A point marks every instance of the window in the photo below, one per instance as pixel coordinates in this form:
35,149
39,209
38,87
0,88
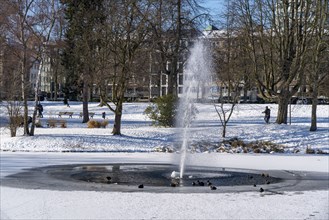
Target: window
180,67
180,79
164,91
163,79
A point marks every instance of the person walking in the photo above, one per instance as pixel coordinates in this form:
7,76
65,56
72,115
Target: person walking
267,115
40,110
66,102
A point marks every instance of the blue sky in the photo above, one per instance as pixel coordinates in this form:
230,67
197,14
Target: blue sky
215,6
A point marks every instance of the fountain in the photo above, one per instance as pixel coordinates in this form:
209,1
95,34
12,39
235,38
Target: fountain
197,75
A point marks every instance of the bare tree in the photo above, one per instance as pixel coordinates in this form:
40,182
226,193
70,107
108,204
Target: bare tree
230,82
128,33
18,30
319,55
230,67
279,34
225,109
15,118
174,24
28,26
56,50
46,13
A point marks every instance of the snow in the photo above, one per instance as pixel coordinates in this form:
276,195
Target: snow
52,146
40,204
138,134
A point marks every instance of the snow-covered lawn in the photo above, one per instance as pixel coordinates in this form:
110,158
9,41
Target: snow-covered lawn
40,204
137,145
139,136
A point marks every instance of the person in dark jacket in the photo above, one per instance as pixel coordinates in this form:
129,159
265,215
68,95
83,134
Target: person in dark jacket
40,110
267,115
66,102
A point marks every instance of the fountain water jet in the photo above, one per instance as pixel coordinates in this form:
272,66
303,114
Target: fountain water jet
197,76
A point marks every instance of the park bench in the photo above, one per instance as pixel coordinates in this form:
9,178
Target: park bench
91,114
65,113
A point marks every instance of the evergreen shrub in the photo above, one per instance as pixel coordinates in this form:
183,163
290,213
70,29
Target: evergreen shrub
163,111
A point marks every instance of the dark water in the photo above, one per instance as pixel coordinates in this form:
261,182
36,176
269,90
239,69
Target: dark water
156,178
160,175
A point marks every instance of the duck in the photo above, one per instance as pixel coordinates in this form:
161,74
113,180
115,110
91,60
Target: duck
200,183
173,184
261,190
140,186
193,183
209,183
213,187
108,178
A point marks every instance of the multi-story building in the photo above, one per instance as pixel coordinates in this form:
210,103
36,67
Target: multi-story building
159,80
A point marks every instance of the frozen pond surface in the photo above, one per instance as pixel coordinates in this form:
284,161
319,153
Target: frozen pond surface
302,195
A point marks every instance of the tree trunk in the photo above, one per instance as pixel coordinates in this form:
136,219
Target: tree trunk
283,108
314,106
55,85
117,119
172,81
85,103
224,131
36,98
24,96
26,115
34,116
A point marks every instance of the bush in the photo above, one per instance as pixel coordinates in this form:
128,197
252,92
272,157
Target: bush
14,123
238,145
63,124
51,123
15,117
97,124
163,111
309,150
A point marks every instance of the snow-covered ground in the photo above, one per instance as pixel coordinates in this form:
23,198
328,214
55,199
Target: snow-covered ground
137,144
139,136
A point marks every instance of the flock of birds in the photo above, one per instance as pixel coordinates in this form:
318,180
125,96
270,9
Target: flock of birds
175,176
